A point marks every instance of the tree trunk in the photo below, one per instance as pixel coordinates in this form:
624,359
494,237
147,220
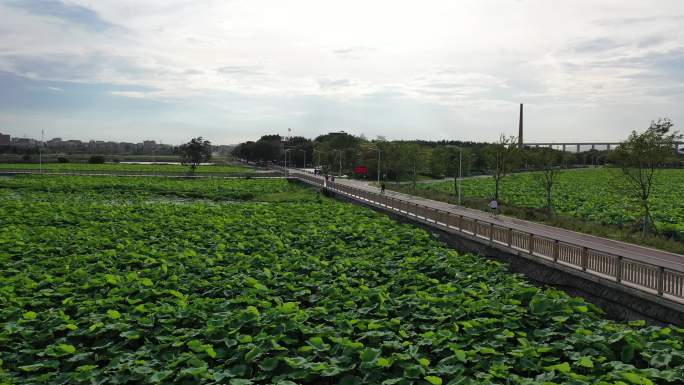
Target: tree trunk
496,188
549,193
648,224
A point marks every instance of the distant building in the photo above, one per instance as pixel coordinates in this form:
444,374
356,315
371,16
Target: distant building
23,142
149,147
127,148
223,149
5,140
59,145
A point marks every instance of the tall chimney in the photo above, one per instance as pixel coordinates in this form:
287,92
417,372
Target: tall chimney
520,128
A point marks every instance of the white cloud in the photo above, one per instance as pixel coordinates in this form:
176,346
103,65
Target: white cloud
129,94
472,60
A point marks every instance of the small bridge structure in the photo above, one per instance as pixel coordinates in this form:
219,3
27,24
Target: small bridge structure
649,283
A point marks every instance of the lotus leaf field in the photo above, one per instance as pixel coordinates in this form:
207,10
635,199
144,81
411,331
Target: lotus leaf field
124,167
119,281
591,194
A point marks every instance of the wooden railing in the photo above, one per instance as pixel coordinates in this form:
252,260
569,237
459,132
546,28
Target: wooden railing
650,277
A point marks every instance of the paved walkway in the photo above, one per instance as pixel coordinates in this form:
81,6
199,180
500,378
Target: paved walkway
627,250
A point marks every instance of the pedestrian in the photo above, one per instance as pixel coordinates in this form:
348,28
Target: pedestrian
382,188
494,207
332,178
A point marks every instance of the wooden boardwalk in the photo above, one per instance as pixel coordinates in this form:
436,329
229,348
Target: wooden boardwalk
649,270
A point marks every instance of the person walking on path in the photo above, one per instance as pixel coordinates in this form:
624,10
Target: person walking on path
494,207
382,188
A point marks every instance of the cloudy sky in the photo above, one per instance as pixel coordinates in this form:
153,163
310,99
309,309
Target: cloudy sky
231,70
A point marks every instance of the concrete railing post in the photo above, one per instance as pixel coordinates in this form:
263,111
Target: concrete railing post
530,245
660,279
555,250
618,270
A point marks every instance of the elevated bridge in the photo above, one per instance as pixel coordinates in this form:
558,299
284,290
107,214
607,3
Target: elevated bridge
647,282
583,146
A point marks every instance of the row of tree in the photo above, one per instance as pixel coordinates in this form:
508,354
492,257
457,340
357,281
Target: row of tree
341,153
637,160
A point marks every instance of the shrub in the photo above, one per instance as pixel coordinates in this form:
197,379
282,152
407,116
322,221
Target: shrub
96,159
62,159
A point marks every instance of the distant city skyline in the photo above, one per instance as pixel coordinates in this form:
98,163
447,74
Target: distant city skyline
48,138
231,71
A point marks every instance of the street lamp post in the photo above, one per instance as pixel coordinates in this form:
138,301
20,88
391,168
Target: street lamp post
286,151
304,151
379,151
340,151
460,174
319,156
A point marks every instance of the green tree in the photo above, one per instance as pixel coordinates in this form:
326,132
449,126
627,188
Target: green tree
196,151
439,161
368,156
500,158
639,158
393,163
337,148
459,163
96,159
547,162
408,160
